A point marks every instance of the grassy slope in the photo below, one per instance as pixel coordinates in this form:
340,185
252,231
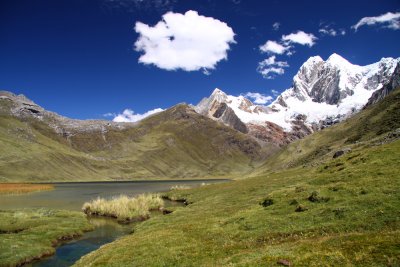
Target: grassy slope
43,228
359,224
177,143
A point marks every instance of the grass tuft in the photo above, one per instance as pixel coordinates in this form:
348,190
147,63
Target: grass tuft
124,207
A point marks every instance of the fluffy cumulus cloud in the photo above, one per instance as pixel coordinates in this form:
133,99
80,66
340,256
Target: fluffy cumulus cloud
259,98
129,116
389,20
285,45
276,26
187,41
270,67
300,37
273,47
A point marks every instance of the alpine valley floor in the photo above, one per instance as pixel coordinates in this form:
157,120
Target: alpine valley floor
313,211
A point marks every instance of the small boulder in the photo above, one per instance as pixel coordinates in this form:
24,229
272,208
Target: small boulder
284,262
341,152
267,202
314,197
300,208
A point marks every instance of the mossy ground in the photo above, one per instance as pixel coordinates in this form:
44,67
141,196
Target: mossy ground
30,234
356,223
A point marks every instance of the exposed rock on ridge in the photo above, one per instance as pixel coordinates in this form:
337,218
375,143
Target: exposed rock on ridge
323,93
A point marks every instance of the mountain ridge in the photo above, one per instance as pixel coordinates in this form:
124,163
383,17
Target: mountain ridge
39,146
216,138
323,93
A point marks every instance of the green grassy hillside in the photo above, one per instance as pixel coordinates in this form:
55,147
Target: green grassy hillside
177,143
353,220
312,210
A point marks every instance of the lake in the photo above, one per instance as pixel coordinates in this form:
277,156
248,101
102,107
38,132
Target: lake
71,196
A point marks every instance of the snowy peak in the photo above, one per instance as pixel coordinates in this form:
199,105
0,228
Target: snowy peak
334,88
323,92
218,95
339,61
335,79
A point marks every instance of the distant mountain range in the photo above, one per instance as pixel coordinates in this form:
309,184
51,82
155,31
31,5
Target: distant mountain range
322,93
223,136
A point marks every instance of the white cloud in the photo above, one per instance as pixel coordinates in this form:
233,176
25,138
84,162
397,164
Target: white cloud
276,26
259,98
329,30
274,92
187,41
109,114
268,73
300,37
269,67
273,47
129,116
389,20
271,61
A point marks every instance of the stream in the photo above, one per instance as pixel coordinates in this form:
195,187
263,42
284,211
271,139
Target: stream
71,196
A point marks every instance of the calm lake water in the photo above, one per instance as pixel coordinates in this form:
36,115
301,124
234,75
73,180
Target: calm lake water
71,196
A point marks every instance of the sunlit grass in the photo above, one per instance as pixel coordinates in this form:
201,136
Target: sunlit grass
319,216
124,207
7,189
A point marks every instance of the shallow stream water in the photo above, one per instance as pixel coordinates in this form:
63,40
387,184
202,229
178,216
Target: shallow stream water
71,196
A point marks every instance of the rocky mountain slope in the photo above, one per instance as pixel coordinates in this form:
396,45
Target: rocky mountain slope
323,93
38,145
375,125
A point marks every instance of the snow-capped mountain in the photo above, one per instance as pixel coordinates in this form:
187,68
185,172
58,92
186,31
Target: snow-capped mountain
323,93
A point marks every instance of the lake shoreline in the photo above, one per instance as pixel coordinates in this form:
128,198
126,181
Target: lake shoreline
138,181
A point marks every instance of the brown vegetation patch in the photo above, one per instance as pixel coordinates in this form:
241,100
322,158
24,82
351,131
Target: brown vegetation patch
6,189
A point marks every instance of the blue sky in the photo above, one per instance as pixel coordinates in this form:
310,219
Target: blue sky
78,58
